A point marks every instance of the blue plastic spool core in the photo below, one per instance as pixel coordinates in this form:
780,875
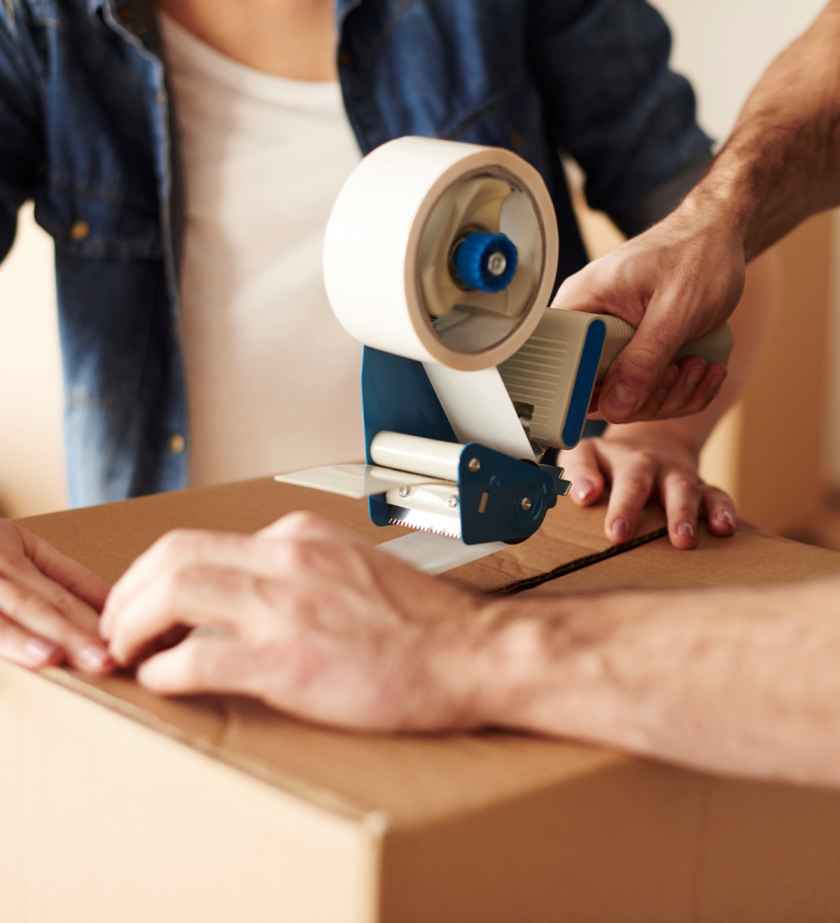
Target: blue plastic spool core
484,261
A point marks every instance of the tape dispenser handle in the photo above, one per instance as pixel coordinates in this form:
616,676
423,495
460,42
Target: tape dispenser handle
714,347
552,378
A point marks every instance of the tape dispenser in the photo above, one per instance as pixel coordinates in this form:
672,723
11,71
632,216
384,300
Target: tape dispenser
440,258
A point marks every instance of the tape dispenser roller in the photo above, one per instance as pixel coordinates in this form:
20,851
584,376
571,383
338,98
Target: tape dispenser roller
440,258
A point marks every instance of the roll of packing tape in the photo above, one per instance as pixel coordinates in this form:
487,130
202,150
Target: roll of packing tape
404,247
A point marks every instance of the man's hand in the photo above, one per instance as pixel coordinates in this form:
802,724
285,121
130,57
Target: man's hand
676,282
643,462
683,278
49,605
307,618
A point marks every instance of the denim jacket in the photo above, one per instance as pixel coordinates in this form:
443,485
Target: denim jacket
87,132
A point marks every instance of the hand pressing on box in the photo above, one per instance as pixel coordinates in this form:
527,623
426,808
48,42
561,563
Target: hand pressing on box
635,464
49,605
305,617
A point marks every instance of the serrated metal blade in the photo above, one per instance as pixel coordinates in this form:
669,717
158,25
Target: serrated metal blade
435,523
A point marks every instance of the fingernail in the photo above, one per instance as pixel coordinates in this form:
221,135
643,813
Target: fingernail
583,490
620,530
685,530
93,658
38,652
623,398
725,520
695,374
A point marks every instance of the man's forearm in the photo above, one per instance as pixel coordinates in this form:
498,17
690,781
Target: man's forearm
782,161
738,681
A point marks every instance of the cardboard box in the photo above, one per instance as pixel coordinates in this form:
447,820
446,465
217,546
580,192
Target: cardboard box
118,806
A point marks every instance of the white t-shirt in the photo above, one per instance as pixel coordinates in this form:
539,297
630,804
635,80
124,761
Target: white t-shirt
272,379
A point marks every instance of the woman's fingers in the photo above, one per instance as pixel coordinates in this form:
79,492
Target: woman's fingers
633,479
37,617
73,576
581,467
26,649
80,613
681,494
720,512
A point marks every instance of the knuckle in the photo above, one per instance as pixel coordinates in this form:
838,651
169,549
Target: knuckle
174,544
645,460
168,591
302,522
685,483
637,483
295,556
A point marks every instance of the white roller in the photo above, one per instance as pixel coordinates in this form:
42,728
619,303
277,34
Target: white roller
414,453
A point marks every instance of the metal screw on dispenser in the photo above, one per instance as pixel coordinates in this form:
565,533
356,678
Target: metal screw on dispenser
527,504
474,465
405,490
497,264
453,502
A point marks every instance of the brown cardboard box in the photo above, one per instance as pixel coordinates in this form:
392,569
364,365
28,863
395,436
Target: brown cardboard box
117,806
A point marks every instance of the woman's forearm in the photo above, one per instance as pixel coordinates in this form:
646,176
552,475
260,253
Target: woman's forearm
782,161
742,681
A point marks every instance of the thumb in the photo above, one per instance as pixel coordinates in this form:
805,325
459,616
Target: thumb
641,365
596,289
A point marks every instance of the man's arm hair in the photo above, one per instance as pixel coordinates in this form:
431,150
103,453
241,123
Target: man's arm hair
742,681
782,162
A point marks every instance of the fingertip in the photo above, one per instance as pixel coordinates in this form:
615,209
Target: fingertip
684,536
39,654
620,402
619,530
94,659
722,523
586,491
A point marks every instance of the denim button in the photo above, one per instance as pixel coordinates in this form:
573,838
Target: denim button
80,230
177,443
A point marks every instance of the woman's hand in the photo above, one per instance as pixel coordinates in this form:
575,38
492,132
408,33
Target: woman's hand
49,605
641,462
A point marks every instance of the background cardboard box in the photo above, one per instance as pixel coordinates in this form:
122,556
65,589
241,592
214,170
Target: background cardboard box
116,805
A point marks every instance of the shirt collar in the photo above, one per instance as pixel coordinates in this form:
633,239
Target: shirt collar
343,8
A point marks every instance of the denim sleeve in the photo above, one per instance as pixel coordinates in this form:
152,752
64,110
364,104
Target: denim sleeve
21,144
614,104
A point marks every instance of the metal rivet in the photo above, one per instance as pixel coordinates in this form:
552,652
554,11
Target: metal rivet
453,502
177,443
527,504
405,490
497,264
474,465
80,230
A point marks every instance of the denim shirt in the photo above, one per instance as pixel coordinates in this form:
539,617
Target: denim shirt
87,132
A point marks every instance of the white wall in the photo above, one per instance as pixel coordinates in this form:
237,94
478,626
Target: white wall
31,453
723,46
